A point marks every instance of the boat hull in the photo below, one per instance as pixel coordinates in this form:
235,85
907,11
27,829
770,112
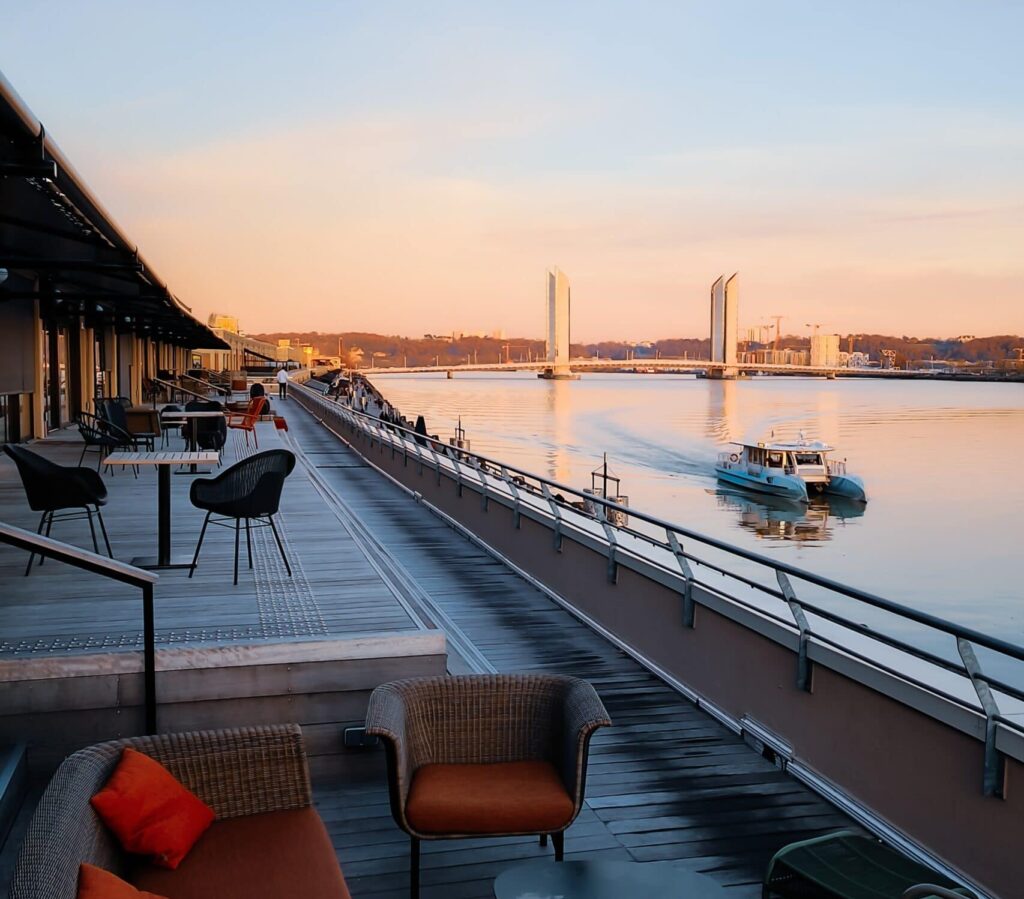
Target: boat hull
847,485
774,485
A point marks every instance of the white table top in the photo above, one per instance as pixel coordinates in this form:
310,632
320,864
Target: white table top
201,457
208,414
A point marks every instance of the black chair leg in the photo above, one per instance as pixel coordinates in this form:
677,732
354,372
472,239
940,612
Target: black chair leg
199,545
543,839
558,840
280,545
81,457
414,868
49,524
238,523
103,531
92,530
248,541
32,556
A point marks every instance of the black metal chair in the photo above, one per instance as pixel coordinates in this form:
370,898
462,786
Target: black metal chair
248,491
60,493
210,433
114,412
100,435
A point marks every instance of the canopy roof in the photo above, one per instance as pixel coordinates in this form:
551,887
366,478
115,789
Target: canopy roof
61,246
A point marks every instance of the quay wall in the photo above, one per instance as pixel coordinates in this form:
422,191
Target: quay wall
57,705
906,762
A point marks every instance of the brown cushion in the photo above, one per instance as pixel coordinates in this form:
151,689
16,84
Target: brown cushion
501,798
255,857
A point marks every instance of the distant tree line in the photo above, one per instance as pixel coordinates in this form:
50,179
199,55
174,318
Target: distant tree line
393,350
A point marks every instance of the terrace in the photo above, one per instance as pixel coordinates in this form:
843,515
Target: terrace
377,577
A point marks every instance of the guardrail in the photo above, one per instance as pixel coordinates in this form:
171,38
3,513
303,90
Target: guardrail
108,568
690,557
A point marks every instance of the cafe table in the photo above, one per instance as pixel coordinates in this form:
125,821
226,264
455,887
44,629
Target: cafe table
163,462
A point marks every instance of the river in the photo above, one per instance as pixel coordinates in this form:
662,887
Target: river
941,460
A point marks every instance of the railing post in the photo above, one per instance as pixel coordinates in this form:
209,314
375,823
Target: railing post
514,490
992,775
803,664
554,511
484,488
613,542
684,566
149,657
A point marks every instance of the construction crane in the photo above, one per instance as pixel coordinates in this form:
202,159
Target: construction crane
778,329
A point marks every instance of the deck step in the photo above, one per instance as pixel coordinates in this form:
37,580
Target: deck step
13,784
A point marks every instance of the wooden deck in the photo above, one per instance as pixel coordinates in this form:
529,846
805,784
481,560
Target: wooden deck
666,783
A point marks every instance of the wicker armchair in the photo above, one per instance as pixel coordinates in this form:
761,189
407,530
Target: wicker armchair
244,771
485,755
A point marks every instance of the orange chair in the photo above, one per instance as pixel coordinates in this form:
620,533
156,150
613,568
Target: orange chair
246,421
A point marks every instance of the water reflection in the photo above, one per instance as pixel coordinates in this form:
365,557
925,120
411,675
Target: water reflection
557,454
723,423
775,518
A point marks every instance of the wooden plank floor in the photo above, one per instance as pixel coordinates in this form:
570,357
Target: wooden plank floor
666,783
335,590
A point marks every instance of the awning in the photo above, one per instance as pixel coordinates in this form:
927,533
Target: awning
59,245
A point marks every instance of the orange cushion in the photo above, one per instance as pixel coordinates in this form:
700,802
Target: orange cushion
500,798
149,811
273,855
95,883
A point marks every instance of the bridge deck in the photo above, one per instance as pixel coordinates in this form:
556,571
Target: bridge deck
667,782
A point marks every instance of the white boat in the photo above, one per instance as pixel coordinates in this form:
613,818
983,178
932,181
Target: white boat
791,469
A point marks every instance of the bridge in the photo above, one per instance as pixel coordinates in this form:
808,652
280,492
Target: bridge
557,364
691,366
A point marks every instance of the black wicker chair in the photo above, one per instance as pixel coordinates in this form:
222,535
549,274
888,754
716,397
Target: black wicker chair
104,437
210,433
95,438
248,491
60,493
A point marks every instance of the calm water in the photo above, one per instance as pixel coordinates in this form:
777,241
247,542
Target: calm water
942,463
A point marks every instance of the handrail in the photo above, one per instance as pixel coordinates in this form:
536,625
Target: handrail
520,483
172,386
220,388
109,568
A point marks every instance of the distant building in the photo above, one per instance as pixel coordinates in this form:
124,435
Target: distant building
825,350
225,322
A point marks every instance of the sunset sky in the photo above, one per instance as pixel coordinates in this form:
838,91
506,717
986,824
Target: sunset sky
414,167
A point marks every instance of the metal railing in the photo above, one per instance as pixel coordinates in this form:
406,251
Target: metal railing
661,543
108,568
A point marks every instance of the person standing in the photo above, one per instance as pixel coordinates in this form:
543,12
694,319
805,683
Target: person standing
282,384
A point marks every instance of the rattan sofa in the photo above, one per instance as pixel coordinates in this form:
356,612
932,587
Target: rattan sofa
267,840
460,751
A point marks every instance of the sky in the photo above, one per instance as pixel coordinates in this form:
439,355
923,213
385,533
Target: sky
417,167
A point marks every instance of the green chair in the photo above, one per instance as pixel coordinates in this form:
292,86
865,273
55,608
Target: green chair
849,865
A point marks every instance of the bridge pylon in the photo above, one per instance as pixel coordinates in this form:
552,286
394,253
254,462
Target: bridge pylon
558,303
725,303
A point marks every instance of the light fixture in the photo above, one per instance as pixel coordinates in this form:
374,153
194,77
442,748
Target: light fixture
3,275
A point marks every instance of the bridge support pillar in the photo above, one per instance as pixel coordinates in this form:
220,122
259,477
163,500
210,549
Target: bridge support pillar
449,374
558,329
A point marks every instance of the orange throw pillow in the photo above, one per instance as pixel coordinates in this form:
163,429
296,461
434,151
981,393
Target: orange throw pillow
150,812
95,883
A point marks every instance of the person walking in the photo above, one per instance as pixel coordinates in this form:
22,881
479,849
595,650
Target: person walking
282,384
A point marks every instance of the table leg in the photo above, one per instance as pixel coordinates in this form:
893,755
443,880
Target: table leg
164,513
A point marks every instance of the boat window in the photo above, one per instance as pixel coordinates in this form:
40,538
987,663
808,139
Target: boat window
807,458
775,460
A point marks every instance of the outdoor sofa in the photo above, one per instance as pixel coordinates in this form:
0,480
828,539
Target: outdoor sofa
267,840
